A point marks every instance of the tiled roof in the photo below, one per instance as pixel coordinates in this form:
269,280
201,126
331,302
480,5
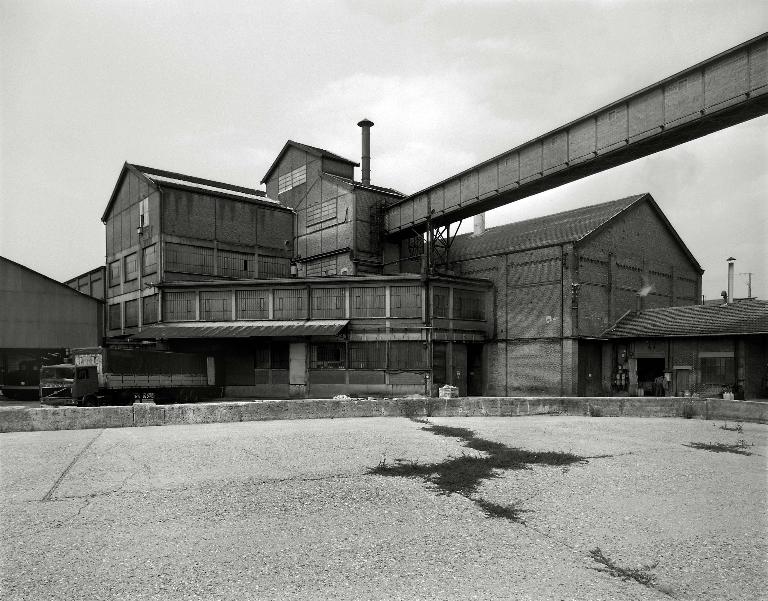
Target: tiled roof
740,317
550,230
320,152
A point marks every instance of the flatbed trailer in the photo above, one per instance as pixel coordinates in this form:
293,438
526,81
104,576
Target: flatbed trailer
108,376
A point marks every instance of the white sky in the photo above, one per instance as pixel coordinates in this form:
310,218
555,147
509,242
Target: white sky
213,89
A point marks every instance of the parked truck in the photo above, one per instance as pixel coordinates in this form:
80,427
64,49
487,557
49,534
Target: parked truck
112,376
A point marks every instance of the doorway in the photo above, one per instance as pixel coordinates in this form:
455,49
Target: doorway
648,369
474,370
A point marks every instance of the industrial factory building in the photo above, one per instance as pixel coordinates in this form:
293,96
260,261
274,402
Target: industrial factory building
301,291
40,320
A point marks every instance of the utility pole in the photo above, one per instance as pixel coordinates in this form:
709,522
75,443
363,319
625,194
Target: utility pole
749,282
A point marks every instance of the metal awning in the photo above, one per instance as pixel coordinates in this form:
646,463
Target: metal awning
245,329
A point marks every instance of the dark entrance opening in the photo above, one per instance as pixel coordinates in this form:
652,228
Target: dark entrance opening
648,370
590,381
474,370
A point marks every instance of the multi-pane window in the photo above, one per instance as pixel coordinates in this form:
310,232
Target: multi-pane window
405,301
179,306
328,302
717,370
149,309
407,355
252,304
290,303
321,211
440,302
292,179
236,264
185,258
131,267
274,267
114,273
327,356
149,259
132,313
367,301
215,305
368,355
468,304
114,317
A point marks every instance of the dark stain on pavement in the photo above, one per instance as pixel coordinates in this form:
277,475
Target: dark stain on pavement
463,475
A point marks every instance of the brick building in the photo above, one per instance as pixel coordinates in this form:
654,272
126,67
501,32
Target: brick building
697,350
299,291
560,280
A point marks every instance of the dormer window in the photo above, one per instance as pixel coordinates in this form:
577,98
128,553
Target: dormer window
292,179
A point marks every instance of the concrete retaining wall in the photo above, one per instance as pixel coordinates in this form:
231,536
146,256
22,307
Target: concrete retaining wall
147,414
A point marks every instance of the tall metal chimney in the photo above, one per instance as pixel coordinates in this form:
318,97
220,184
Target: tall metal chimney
730,279
366,124
479,225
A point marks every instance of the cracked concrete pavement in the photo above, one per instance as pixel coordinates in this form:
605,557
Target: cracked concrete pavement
288,510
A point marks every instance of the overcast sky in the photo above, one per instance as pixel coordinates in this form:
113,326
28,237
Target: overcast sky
214,89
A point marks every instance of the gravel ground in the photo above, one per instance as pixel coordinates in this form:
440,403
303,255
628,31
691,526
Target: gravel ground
288,510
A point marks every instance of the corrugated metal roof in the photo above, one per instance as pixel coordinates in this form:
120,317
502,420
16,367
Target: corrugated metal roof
352,182
741,317
550,230
229,191
244,329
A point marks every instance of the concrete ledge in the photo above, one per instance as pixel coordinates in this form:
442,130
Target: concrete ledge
148,414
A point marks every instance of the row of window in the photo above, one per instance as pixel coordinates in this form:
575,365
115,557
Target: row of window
326,303
129,266
187,258
390,355
126,314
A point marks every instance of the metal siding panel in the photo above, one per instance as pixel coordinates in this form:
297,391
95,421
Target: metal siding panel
452,194
581,141
509,171
726,80
555,152
469,187
758,67
488,179
530,162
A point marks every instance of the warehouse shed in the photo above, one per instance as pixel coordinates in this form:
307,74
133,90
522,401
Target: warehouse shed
40,319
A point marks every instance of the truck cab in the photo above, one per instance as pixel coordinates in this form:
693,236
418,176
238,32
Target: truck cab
68,384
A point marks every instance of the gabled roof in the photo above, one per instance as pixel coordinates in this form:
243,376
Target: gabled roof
354,184
551,230
49,279
157,177
740,317
314,150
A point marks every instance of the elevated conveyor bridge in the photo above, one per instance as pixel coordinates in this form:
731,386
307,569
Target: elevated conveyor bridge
722,91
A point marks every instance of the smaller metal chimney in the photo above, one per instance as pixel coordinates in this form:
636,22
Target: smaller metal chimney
366,124
479,225
730,279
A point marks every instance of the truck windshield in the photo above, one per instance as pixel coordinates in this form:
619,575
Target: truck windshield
57,373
